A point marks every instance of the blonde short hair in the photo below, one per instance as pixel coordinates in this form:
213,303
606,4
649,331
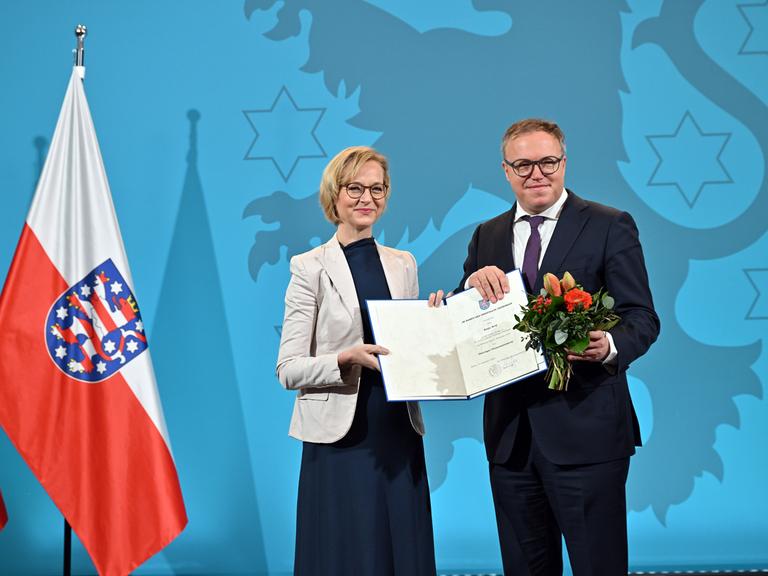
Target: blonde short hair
533,125
341,170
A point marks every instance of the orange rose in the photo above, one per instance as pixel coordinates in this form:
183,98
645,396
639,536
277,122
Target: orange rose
577,297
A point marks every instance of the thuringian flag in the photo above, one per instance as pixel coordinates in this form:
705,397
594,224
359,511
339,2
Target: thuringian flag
78,397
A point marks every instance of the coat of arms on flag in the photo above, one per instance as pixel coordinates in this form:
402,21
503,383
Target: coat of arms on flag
94,327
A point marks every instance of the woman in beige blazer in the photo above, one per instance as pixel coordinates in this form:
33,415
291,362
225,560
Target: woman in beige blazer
363,506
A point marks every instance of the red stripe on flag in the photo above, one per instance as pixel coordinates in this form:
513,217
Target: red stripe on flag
92,446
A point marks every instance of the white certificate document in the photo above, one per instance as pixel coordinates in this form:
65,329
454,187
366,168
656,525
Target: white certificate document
461,350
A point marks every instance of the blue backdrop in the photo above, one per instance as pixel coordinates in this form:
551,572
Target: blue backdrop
215,120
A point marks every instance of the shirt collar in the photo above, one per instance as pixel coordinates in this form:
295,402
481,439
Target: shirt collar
551,213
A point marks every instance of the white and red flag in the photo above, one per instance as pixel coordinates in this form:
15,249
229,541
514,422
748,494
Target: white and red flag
77,389
3,513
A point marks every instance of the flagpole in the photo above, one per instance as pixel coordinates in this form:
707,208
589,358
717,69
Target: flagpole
67,548
80,32
79,52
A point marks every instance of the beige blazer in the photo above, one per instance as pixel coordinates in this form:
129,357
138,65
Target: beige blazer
322,318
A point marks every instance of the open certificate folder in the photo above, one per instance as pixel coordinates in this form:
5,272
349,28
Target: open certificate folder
461,350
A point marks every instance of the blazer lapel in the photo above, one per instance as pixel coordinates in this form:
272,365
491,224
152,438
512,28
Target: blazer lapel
335,264
393,271
572,220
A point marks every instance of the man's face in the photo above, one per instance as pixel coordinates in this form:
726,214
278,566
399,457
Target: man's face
535,192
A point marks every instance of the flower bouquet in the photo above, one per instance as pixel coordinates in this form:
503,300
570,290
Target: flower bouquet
559,321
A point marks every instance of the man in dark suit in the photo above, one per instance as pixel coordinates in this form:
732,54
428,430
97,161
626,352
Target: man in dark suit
559,460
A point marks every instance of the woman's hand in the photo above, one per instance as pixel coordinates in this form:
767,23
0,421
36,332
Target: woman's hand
363,354
436,299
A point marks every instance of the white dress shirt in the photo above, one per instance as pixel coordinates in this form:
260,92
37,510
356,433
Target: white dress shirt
522,229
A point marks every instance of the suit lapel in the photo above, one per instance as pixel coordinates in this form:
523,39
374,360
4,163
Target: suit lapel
506,255
572,220
335,264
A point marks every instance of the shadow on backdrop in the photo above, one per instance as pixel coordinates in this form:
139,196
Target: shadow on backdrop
196,377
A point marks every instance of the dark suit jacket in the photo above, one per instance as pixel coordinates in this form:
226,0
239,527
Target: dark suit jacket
594,420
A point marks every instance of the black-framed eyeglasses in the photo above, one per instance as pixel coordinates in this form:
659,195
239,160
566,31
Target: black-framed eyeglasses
355,190
548,165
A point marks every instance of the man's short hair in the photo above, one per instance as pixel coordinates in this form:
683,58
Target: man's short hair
341,170
533,125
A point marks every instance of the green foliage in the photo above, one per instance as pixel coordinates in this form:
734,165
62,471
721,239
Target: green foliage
550,326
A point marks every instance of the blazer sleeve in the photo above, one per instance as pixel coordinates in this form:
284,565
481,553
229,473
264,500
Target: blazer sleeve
627,281
297,365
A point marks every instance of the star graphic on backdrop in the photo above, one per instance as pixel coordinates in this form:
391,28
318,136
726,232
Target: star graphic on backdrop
101,367
132,346
109,346
139,325
758,277
61,312
85,290
689,159
756,17
116,287
285,133
61,352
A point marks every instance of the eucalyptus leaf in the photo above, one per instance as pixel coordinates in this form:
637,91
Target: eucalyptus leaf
560,337
608,324
608,302
580,345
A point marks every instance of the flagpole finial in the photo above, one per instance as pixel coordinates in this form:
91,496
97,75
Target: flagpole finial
80,33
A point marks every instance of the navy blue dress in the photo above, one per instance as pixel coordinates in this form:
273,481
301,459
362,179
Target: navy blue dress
363,506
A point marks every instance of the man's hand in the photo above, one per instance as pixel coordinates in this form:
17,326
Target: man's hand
597,351
491,282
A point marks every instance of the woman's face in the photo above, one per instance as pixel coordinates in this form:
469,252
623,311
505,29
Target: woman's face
361,213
